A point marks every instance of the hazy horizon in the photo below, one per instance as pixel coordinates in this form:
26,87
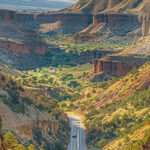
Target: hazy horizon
35,5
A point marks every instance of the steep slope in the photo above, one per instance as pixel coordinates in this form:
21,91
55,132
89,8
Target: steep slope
103,6
34,121
117,112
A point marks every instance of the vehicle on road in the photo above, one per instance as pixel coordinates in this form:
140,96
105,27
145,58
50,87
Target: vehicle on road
74,135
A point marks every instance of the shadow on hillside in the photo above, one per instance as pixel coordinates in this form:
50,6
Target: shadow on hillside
53,57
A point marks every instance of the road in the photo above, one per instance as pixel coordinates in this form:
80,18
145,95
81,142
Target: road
77,134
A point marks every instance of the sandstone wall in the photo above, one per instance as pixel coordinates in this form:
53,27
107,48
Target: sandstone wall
7,15
26,131
114,68
114,18
16,46
146,25
51,18
88,56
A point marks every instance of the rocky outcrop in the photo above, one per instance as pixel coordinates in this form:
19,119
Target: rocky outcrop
146,25
117,65
26,131
7,15
88,56
114,68
114,18
16,46
69,23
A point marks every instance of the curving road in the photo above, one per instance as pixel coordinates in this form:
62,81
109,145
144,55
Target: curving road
77,134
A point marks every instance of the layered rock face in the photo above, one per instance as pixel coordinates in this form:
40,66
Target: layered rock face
114,18
27,125
68,23
7,15
42,18
146,25
110,24
117,65
114,68
17,37
88,56
16,46
26,131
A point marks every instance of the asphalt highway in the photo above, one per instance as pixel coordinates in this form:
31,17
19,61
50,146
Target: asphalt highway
77,134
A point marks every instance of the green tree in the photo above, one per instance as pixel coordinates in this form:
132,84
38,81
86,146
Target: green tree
50,80
10,140
102,143
19,147
73,83
31,147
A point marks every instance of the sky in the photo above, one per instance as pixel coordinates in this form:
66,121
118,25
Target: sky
67,1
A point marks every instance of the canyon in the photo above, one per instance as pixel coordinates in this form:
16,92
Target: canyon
111,20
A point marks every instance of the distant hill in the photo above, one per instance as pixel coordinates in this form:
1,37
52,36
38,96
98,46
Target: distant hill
107,6
34,5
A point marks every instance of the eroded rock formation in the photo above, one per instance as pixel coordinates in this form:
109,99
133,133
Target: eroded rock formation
26,131
7,15
117,65
114,68
16,46
88,56
146,25
114,18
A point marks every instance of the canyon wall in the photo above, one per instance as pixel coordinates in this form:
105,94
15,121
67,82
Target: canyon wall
7,15
26,131
88,56
114,68
16,46
146,25
114,18
41,18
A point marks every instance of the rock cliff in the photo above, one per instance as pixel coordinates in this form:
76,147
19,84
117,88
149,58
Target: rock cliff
27,125
116,65
88,56
26,131
16,46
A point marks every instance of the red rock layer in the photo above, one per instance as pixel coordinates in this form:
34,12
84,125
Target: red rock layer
15,46
7,15
146,25
114,18
115,68
88,56
51,18
26,131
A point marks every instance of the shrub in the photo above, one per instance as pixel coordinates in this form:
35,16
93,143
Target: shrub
3,78
31,147
102,143
73,83
10,140
27,100
50,80
20,147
